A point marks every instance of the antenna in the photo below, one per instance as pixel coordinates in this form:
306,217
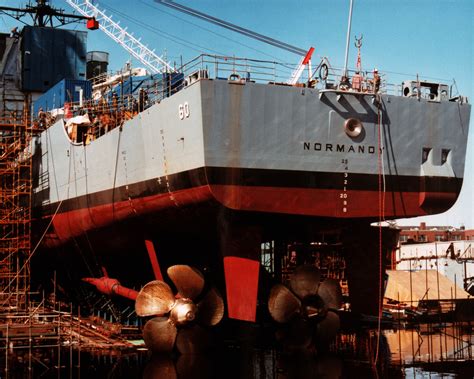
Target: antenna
358,45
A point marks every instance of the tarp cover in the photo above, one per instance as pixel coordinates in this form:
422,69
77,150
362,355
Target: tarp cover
398,287
78,120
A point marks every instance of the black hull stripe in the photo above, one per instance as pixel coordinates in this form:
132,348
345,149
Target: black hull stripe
252,177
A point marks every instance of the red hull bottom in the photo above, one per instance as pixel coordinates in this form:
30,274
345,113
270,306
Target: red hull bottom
268,200
261,207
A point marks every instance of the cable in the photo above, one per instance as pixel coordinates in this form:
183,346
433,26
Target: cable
17,19
157,31
425,77
209,30
170,36
384,185
233,27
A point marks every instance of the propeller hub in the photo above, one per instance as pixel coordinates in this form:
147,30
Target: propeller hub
184,311
313,306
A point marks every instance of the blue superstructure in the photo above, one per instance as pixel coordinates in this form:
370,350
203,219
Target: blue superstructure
66,90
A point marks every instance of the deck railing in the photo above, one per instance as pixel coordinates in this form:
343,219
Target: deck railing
322,76
234,68
116,102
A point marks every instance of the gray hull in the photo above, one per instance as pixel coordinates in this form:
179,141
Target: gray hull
258,147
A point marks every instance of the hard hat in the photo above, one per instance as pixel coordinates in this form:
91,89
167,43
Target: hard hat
375,70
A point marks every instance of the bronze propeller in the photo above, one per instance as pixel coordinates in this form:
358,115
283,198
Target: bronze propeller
177,317
308,308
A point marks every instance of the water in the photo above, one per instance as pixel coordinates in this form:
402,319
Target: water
425,351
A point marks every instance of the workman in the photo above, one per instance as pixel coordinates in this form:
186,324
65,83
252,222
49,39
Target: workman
42,118
142,100
357,82
376,81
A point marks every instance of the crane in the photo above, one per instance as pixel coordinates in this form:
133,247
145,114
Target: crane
305,61
142,53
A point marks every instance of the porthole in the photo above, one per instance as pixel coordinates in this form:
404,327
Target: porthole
353,127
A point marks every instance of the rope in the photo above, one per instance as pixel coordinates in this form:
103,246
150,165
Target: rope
115,172
381,204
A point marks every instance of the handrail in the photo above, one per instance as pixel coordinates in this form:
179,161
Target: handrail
113,107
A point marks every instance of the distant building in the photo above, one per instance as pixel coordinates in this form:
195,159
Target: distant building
424,234
448,250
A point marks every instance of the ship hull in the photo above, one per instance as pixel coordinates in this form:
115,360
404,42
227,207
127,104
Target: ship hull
90,212
220,167
258,148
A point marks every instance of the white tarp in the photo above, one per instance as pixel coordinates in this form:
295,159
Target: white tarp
404,286
78,120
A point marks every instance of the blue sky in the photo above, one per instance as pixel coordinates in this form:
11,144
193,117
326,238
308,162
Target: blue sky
433,38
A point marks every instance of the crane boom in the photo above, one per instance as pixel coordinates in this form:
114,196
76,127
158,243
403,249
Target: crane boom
299,69
141,52
233,27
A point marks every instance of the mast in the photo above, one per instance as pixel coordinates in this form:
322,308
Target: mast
349,22
43,14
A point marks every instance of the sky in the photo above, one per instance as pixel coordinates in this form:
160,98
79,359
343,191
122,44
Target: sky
402,38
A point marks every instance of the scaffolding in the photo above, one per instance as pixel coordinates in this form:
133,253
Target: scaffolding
15,211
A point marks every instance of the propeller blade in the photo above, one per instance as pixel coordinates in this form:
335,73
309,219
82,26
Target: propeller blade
305,281
159,334
283,304
330,292
160,366
188,281
192,340
297,333
327,329
156,298
211,308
